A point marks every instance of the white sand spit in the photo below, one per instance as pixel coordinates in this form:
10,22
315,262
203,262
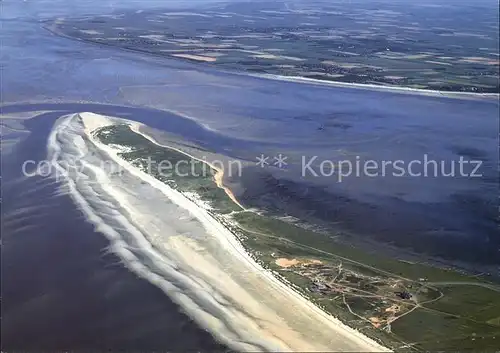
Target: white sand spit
209,273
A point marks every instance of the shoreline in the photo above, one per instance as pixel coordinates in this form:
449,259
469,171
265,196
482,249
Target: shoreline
294,79
373,87
230,242
118,244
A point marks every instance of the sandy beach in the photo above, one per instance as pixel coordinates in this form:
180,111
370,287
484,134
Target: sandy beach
233,297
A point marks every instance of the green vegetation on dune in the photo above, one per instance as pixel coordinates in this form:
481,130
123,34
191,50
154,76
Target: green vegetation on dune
443,309
169,166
